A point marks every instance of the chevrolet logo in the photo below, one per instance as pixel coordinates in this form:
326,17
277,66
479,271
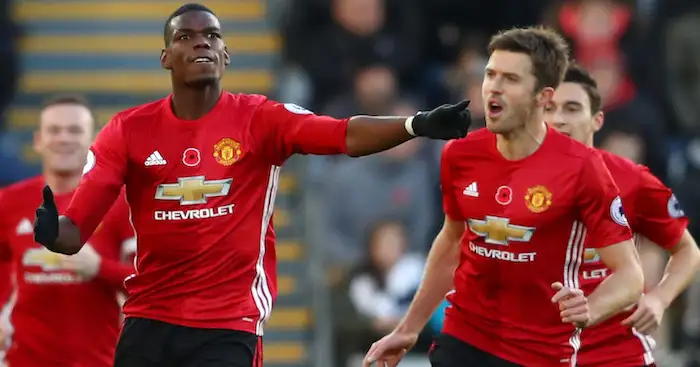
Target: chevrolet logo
193,190
591,255
499,231
48,261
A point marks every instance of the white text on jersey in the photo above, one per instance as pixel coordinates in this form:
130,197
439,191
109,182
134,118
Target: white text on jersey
595,274
497,254
203,213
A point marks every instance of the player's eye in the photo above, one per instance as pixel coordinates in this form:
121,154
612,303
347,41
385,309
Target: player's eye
214,35
75,130
183,37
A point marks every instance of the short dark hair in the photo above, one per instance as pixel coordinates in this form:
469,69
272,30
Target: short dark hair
179,11
575,73
69,99
547,49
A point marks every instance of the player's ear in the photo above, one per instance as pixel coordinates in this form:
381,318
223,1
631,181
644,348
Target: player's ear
37,140
227,57
165,59
598,120
545,96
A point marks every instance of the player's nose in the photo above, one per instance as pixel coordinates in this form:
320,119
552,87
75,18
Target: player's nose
559,125
202,42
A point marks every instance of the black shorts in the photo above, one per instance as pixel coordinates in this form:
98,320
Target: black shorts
448,351
150,343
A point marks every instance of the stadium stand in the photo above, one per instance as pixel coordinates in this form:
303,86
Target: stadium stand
108,51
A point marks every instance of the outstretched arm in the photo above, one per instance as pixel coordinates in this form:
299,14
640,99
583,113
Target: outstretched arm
368,135
289,129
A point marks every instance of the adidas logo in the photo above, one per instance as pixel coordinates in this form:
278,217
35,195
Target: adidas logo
471,190
155,159
24,227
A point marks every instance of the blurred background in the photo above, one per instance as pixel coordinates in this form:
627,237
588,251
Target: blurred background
353,234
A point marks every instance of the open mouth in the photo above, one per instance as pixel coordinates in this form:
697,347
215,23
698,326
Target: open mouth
495,108
203,60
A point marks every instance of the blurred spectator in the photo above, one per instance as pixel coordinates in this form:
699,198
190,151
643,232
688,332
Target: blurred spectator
624,141
449,22
396,183
374,93
465,77
361,33
691,324
382,287
377,293
9,69
605,39
683,69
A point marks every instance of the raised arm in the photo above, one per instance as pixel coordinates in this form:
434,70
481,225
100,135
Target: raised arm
290,129
103,178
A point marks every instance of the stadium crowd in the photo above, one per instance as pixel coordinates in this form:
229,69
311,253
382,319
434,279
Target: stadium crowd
396,57
344,57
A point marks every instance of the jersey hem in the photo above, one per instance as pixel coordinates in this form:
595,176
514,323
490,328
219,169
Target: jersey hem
459,333
237,324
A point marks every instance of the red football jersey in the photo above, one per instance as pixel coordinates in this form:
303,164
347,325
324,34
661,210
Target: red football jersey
56,316
202,197
526,224
652,211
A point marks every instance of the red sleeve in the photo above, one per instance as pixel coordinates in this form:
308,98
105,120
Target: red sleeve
658,214
5,253
449,202
103,178
117,233
600,206
285,129
114,272
6,229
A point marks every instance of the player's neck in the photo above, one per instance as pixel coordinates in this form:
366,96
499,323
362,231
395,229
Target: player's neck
62,183
194,103
522,142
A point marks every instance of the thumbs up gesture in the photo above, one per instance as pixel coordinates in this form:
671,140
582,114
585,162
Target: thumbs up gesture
443,123
46,221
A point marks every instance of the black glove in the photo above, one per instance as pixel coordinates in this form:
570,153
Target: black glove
445,122
46,221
